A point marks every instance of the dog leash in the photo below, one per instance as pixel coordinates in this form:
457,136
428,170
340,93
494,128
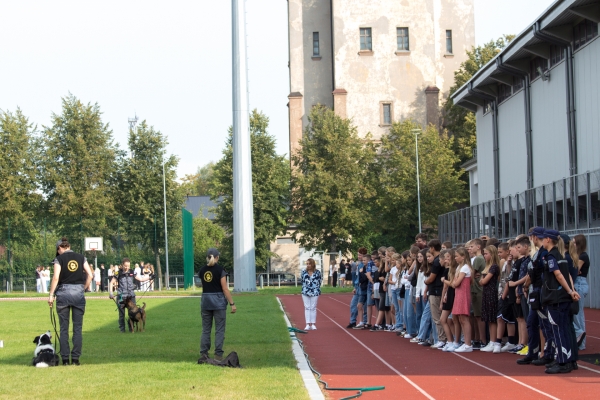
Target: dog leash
53,321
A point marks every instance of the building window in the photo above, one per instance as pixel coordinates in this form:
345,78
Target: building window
583,32
535,65
386,113
557,54
487,107
316,49
517,84
449,42
366,43
402,38
504,92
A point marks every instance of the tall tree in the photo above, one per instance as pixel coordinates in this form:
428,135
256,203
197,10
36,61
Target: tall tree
270,190
459,121
330,195
207,234
140,190
78,168
198,184
18,196
441,188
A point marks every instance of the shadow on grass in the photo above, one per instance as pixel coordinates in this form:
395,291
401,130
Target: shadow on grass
256,332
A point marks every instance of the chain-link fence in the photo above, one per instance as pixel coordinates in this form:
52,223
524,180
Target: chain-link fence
25,246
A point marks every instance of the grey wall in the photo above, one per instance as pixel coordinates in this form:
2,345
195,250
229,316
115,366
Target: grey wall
485,156
587,105
549,114
513,151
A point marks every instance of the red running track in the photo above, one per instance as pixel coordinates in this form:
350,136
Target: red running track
358,358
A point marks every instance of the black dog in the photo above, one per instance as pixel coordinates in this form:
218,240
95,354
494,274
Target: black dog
44,355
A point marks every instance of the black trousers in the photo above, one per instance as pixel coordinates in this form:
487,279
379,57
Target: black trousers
70,305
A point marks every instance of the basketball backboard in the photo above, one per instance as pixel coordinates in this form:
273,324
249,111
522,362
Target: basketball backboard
93,243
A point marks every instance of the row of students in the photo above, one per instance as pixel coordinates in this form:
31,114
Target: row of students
455,299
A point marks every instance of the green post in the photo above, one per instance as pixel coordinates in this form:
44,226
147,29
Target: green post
187,220
45,245
10,260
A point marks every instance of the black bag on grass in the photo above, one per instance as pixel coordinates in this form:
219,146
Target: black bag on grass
231,361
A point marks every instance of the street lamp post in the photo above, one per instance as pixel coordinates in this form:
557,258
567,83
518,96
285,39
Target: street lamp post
166,236
417,132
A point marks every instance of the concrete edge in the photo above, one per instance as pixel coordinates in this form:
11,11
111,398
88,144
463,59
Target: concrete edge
310,382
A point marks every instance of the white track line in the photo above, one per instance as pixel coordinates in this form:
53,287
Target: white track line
507,377
594,322
423,392
588,368
593,337
310,382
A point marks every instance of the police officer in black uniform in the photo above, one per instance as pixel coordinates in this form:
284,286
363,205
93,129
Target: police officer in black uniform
557,296
215,297
69,283
126,279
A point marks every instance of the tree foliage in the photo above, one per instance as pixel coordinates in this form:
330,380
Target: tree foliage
329,203
395,210
459,121
78,166
270,190
198,184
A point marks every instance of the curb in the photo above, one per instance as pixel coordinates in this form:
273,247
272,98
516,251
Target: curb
313,388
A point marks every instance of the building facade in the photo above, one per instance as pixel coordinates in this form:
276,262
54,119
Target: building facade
538,133
375,61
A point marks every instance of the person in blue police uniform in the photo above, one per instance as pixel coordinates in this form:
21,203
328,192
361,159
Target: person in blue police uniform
126,279
215,297
72,276
535,270
557,296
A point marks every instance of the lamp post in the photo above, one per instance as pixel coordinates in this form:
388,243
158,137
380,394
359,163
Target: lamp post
166,235
416,133
244,262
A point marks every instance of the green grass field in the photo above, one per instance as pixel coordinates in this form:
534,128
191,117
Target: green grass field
160,363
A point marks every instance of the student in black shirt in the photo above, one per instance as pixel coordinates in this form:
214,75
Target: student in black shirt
581,260
435,285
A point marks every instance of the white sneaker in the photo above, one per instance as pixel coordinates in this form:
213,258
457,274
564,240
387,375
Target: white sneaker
314,327
488,348
450,347
408,336
497,348
464,349
415,340
438,345
508,347
307,328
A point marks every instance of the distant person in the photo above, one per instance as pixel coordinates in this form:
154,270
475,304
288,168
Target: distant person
38,279
103,277
97,279
138,271
421,240
311,290
69,284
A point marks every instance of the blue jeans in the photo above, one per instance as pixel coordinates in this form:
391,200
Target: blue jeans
409,314
419,312
354,306
581,287
425,325
397,303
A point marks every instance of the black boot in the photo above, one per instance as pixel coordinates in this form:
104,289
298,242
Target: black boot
560,369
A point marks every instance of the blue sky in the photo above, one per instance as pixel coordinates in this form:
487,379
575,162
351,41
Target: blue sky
167,62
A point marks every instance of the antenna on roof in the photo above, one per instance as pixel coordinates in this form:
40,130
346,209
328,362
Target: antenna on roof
132,125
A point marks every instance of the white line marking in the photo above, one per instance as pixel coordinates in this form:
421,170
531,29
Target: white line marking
589,369
310,382
593,337
423,392
594,322
507,377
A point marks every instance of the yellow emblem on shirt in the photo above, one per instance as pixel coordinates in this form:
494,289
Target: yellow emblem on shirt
208,276
72,265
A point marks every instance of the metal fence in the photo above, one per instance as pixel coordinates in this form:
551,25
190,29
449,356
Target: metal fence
570,205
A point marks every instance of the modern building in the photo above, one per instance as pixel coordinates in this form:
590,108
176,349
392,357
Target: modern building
538,133
375,61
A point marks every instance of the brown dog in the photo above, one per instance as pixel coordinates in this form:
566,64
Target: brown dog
137,315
